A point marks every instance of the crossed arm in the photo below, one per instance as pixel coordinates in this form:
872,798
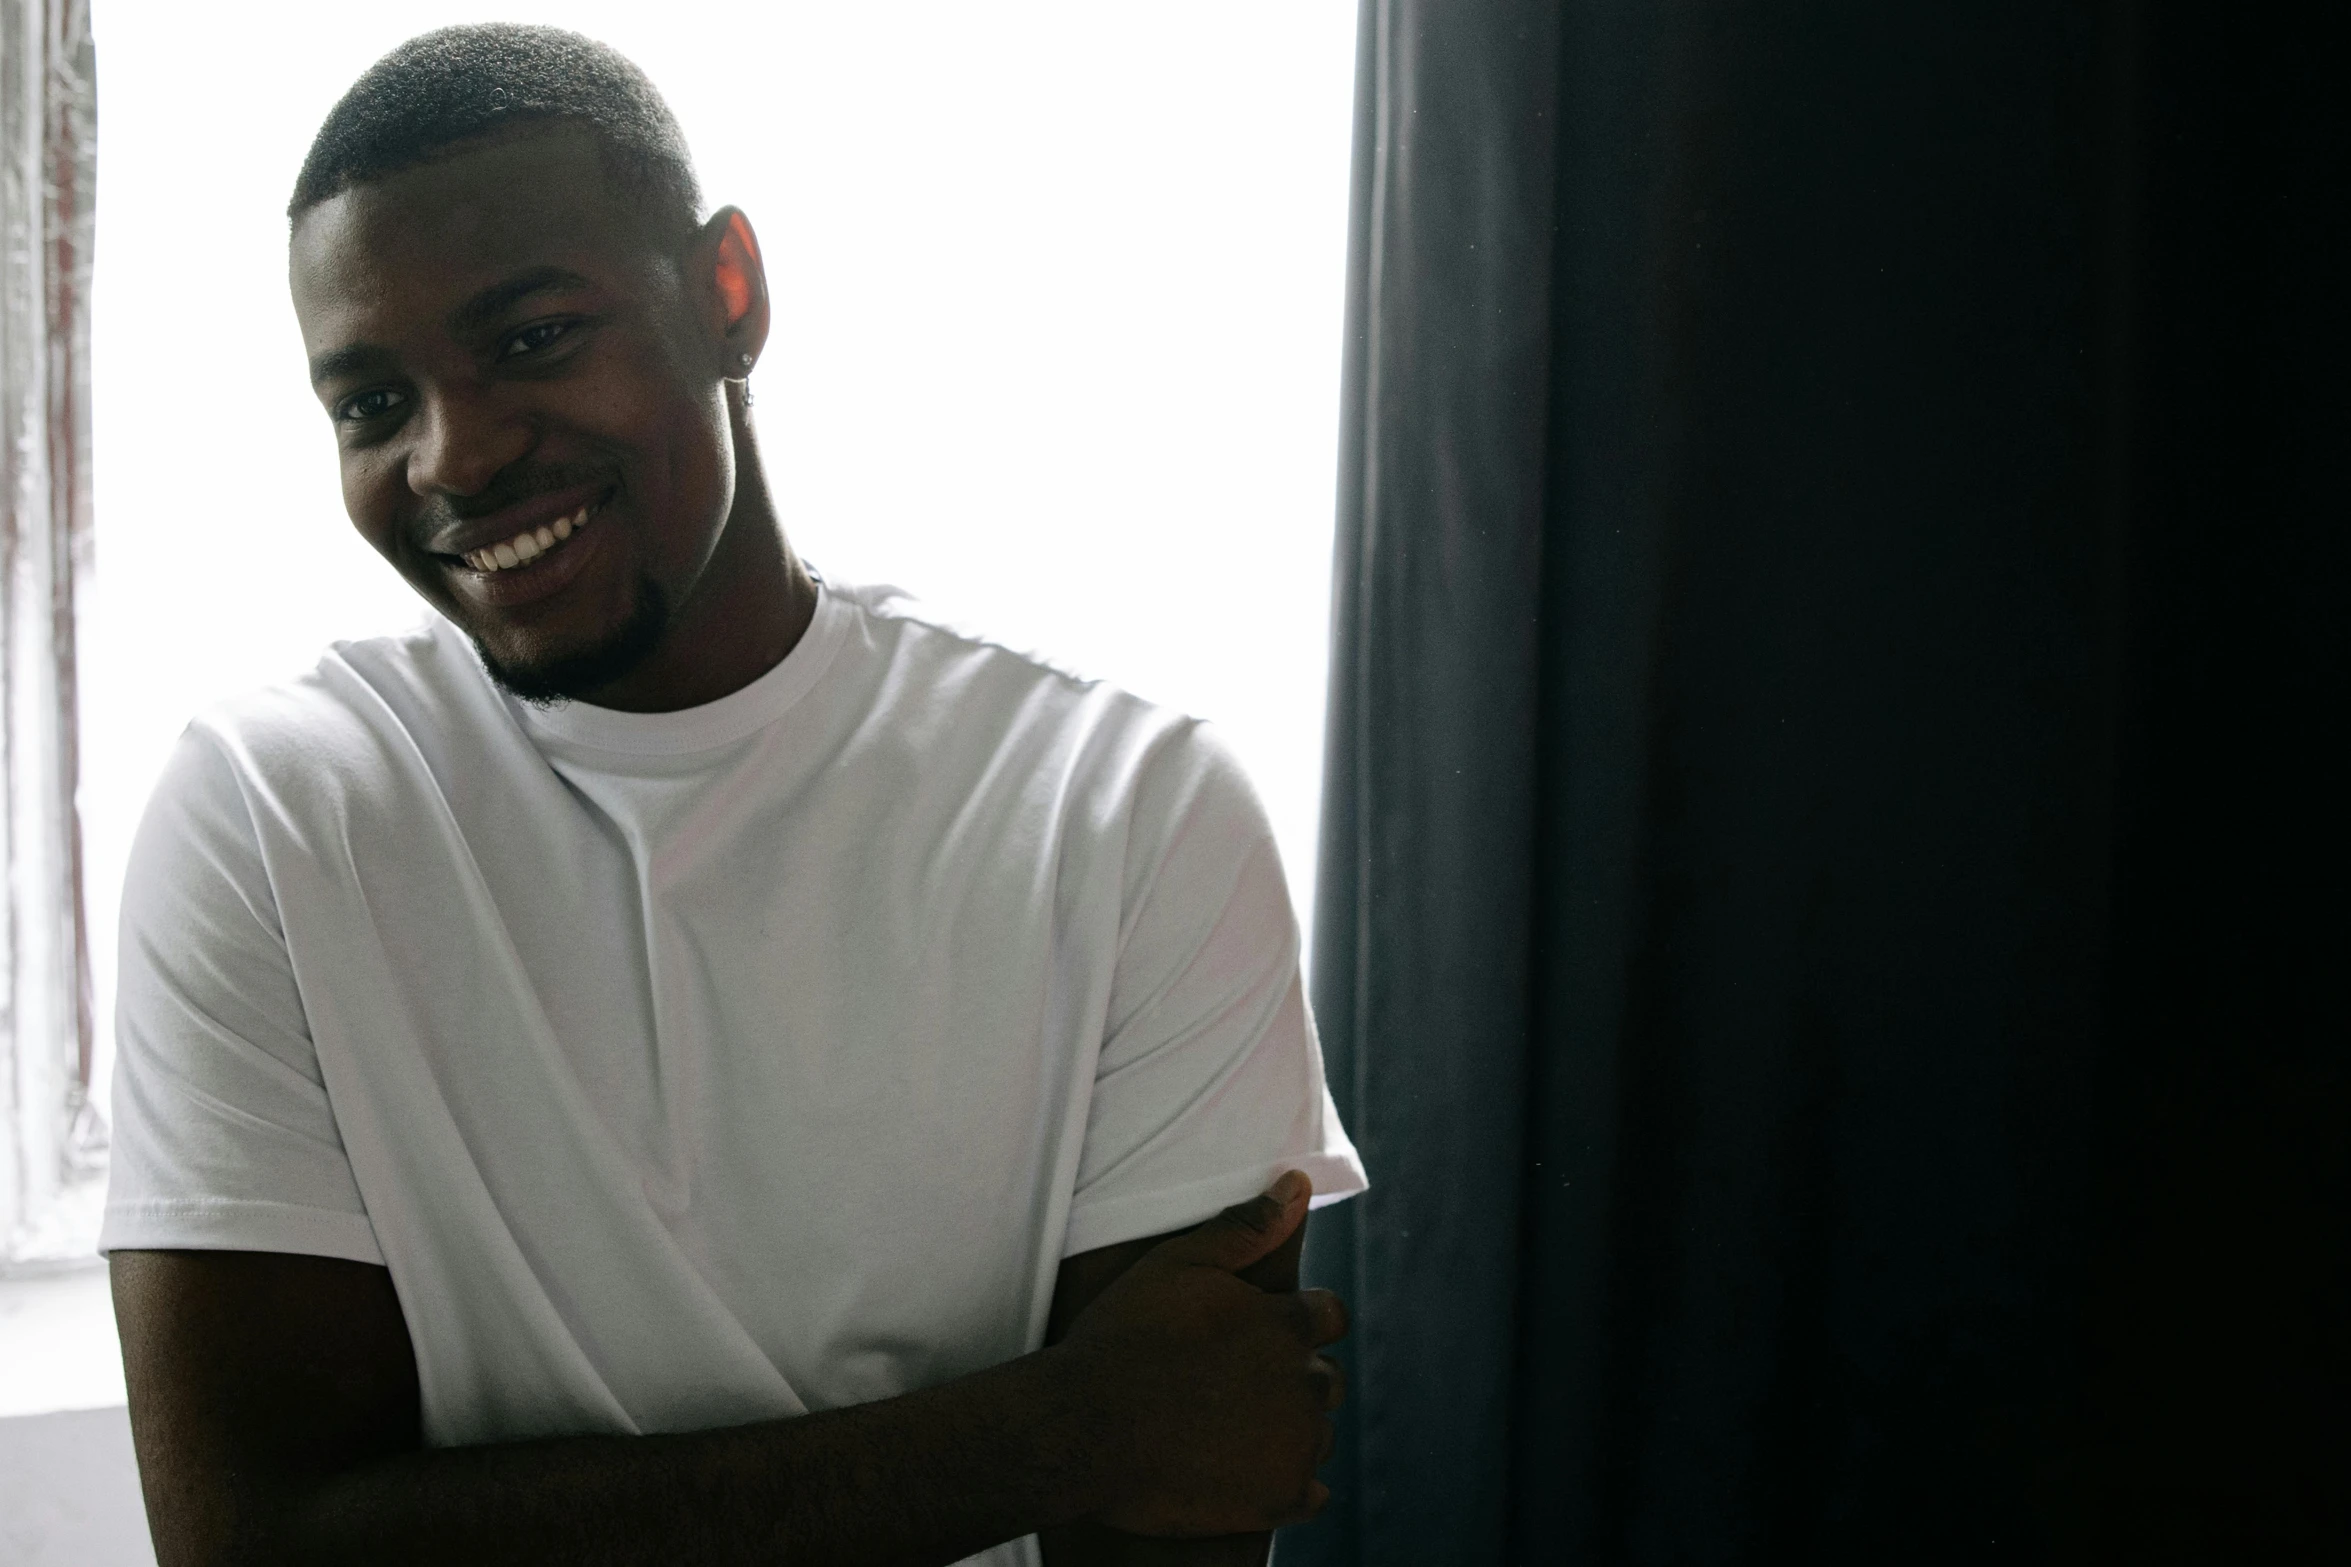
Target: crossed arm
1175,1415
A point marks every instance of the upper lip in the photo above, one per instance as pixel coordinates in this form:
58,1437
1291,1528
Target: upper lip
537,511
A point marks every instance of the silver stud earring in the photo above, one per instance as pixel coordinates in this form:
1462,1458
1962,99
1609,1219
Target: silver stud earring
746,360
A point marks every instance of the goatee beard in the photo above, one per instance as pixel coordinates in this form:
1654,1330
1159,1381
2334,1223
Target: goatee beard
578,675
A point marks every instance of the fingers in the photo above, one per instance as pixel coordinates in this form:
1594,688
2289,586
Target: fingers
1303,1508
1329,1381
1246,1231
1319,1316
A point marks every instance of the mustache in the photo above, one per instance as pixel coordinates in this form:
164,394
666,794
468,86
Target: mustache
511,485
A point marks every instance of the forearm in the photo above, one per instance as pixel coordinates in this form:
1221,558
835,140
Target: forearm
929,1477
275,1406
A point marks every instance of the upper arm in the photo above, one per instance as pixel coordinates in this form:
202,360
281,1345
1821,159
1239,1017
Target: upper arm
1209,1082
262,1343
224,1138
252,1374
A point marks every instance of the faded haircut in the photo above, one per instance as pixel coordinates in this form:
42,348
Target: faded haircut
442,90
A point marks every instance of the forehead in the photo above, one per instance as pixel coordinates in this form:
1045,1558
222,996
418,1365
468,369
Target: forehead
401,252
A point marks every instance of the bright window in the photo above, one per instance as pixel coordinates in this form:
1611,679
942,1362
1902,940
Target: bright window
1058,296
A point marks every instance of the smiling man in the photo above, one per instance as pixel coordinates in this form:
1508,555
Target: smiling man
675,1060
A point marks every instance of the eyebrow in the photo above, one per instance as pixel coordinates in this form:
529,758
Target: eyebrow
475,313
344,361
498,298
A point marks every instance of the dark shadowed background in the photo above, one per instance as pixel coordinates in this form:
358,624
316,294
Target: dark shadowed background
1832,923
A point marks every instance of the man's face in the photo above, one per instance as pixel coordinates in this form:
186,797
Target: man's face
519,369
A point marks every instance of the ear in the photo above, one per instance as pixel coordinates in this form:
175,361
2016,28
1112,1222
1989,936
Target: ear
738,279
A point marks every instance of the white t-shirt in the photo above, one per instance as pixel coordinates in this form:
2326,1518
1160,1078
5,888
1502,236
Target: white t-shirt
693,1068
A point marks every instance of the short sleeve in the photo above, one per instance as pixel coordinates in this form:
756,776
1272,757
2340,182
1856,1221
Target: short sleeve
224,1138
1210,1080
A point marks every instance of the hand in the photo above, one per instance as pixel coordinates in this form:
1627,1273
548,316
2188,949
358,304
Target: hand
1215,1407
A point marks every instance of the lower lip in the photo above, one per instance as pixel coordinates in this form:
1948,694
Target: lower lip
534,580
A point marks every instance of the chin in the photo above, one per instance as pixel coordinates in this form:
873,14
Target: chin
577,672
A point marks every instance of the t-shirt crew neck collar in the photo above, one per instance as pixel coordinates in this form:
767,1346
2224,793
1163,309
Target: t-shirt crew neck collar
732,717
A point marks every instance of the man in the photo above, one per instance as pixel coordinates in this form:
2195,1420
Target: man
675,1060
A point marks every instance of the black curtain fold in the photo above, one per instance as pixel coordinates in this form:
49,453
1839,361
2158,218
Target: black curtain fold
1832,929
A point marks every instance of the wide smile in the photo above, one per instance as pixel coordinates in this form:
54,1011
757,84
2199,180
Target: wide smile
530,544
535,563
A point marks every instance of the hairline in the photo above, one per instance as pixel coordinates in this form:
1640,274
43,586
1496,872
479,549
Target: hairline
628,173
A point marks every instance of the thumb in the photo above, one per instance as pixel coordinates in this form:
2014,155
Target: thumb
1246,1231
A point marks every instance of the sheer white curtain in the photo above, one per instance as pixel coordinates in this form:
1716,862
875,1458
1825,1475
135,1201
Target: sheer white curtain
52,1142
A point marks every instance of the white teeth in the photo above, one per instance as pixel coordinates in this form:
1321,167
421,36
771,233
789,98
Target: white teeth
527,546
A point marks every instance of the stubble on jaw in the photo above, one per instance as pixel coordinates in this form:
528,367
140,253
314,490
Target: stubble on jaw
577,674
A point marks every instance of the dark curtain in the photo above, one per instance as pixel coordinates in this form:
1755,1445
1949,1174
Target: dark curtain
1832,937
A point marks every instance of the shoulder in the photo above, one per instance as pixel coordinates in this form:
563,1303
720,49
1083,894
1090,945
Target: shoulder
333,724
335,768
939,673
1150,779
947,652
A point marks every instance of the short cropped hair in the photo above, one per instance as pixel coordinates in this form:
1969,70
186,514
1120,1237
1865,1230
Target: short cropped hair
444,89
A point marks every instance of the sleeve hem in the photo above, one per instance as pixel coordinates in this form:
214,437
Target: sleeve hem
232,1224
1106,1222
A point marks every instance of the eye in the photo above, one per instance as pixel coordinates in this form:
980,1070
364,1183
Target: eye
532,338
371,404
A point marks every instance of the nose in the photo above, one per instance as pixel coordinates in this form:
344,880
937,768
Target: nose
463,441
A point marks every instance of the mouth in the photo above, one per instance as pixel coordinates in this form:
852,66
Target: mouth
532,544
531,568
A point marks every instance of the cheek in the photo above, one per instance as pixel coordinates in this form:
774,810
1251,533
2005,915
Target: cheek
714,449
671,429
698,475
377,498
369,500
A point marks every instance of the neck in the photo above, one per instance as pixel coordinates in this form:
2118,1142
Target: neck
748,609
